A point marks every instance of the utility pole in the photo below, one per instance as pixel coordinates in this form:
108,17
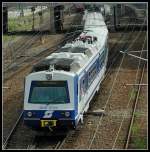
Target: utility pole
32,10
118,14
40,25
41,17
21,12
113,18
5,20
69,10
51,11
122,9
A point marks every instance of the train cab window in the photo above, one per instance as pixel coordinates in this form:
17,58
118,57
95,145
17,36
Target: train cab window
49,92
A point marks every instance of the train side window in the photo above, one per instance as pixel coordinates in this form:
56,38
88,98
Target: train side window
101,59
83,81
105,52
83,87
92,74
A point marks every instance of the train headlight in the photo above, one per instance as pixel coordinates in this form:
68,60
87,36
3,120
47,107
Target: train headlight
29,114
67,113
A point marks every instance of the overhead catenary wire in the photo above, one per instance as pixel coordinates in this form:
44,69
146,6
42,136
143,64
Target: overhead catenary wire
135,56
122,36
129,99
134,110
99,121
36,33
34,36
62,41
14,127
108,98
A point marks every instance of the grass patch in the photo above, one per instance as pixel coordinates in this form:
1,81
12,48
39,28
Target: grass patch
135,129
140,143
20,23
8,37
25,22
137,114
132,94
141,98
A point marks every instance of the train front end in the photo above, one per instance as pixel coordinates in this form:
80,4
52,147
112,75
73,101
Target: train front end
49,100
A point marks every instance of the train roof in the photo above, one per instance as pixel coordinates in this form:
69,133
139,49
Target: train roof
58,63
73,56
72,50
94,21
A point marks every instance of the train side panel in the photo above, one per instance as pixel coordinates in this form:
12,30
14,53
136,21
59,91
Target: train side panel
89,81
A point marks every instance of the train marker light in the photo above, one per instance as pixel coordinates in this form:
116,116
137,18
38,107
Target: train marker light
67,114
29,114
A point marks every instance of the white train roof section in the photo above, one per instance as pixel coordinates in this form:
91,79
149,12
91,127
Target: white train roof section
94,20
82,50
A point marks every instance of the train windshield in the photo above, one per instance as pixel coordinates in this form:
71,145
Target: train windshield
49,92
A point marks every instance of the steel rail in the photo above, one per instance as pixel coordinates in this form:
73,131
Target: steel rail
54,48
127,103
12,131
134,110
115,57
109,96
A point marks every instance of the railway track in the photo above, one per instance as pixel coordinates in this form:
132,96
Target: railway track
132,102
72,139
12,131
57,144
15,131
68,139
75,133
19,48
53,145
20,136
49,141
106,105
53,142
22,45
129,135
20,117
30,60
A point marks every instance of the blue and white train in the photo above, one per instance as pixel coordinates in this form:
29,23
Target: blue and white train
59,89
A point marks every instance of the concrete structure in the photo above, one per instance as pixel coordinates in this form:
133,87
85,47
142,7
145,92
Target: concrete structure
52,5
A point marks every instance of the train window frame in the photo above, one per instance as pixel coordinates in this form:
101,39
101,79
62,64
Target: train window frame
101,59
93,73
83,81
83,86
50,82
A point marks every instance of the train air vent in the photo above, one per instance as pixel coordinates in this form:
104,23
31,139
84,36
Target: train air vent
63,64
72,50
43,65
58,63
63,50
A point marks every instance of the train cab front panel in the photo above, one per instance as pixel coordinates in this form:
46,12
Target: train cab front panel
50,100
